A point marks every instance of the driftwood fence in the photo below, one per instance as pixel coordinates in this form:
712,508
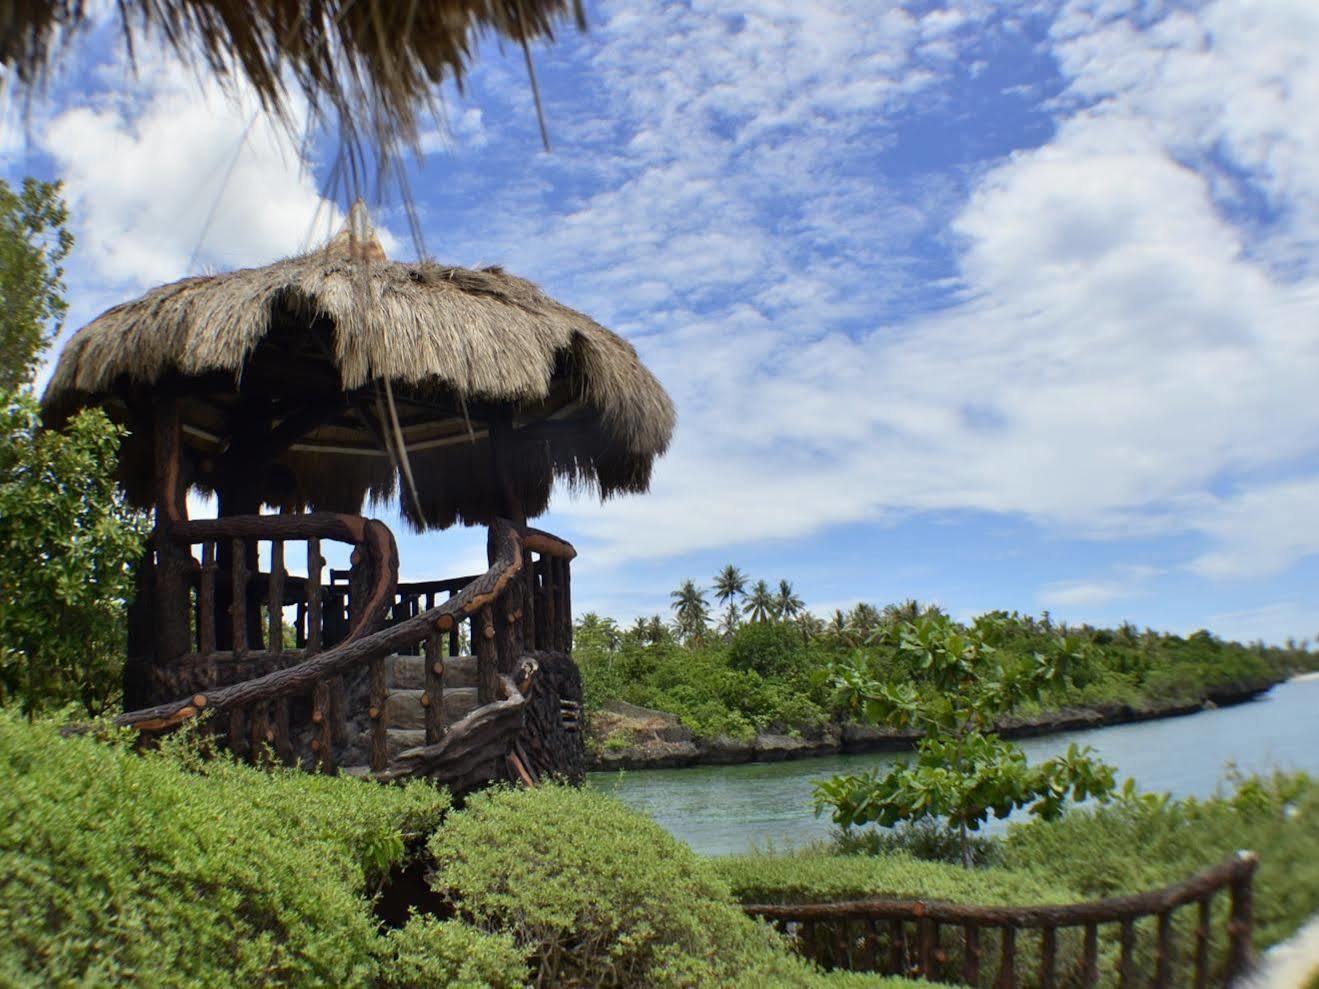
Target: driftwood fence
952,942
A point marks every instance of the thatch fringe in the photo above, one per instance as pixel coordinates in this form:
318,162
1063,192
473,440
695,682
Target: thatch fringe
369,66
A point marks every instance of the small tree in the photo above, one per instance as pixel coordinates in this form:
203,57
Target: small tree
67,537
963,769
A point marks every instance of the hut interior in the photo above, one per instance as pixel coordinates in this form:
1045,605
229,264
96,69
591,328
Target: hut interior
300,392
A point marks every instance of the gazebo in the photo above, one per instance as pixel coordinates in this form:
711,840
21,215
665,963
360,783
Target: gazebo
298,392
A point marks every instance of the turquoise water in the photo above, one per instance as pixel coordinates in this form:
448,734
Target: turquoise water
727,809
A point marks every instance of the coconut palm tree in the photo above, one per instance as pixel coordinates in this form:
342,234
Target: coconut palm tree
810,626
729,583
759,605
787,605
691,610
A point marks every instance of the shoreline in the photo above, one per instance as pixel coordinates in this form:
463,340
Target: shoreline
661,742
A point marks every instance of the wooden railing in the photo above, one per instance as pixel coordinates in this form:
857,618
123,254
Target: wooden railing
239,622
951,942
519,606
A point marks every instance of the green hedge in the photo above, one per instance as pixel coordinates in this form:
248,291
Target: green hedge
599,895
812,876
157,870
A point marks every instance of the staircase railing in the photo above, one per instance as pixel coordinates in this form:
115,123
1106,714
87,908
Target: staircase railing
908,937
528,575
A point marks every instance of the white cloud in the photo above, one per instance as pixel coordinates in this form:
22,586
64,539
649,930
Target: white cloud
178,170
1261,530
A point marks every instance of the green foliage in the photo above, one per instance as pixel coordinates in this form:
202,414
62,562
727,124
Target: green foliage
1144,841
167,870
926,840
67,538
33,244
427,952
775,675
963,770
596,894
812,875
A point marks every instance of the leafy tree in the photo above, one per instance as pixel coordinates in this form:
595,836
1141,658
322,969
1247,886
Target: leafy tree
33,244
729,583
67,537
963,770
691,610
863,620
787,605
759,605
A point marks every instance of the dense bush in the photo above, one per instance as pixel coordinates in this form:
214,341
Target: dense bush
163,870
816,875
1148,842
427,952
599,895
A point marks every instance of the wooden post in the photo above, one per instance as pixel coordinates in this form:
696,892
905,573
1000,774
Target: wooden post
314,564
869,945
1048,957
379,715
566,573
321,741
206,601
1163,951
238,595
1126,962
434,688
483,645
528,600
275,598
925,947
259,731
971,954
897,949
1090,965
547,597
173,562
1240,918
1007,967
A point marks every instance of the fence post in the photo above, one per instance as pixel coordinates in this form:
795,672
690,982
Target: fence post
1241,916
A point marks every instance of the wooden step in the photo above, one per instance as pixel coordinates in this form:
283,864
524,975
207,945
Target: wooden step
409,672
405,709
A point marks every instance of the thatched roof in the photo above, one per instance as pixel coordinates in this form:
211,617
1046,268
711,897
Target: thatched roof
305,344
372,64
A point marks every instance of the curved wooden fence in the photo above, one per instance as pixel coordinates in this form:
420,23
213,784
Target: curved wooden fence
951,942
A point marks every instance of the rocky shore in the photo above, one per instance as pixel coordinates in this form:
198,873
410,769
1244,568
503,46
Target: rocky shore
625,736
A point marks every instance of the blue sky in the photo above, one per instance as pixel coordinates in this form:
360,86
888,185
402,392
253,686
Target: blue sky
994,305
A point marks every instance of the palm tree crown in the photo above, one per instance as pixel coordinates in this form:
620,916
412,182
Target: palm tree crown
759,604
691,609
729,583
787,605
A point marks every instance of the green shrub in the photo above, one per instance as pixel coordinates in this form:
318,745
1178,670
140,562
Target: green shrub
771,649
161,870
815,876
427,952
599,895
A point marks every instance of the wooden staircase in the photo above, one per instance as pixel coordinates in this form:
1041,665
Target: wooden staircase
405,714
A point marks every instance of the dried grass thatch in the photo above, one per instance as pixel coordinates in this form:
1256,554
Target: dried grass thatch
316,336
372,64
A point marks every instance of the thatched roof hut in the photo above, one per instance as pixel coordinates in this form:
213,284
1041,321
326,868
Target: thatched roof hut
323,380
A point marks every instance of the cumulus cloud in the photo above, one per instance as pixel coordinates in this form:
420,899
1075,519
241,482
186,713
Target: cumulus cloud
180,172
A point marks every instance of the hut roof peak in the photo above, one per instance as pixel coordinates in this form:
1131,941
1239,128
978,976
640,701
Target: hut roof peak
356,239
